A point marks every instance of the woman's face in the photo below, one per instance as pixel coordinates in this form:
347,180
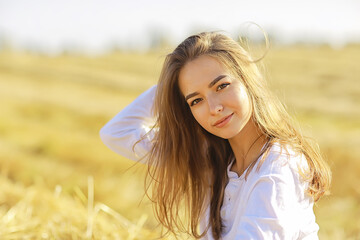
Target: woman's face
218,102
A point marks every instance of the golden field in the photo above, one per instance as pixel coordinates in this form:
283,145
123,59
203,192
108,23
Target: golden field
58,181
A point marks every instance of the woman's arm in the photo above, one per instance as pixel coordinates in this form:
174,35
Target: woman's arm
130,125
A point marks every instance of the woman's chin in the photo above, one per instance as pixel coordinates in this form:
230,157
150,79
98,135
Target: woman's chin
226,135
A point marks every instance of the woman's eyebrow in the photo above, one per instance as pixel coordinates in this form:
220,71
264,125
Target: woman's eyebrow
213,82
216,80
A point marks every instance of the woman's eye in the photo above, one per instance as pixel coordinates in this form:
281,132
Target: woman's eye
194,102
222,86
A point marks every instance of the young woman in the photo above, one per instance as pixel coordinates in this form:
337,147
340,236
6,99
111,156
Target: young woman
221,147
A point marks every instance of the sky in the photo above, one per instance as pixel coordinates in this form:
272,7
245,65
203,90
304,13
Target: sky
97,25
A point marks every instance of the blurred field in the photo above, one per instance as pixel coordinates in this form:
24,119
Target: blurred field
53,107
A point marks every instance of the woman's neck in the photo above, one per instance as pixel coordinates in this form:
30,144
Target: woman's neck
246,146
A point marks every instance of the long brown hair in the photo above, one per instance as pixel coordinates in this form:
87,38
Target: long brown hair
187,165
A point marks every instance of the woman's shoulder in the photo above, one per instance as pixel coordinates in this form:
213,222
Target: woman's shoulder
284,170
282,160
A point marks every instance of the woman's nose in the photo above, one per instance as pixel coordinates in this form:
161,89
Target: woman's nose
215,107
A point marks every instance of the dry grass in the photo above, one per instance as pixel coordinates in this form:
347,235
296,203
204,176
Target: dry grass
53,107
36,212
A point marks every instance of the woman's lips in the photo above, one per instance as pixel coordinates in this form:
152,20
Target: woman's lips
222,122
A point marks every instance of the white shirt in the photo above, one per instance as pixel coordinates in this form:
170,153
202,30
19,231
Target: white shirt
270,204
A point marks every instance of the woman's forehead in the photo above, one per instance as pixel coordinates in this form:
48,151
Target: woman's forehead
201,70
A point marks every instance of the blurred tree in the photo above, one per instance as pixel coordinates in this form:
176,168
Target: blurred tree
159,38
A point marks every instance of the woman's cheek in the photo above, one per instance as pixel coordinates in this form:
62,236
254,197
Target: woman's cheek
199,117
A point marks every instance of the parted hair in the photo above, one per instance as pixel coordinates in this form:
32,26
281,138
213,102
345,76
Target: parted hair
187,165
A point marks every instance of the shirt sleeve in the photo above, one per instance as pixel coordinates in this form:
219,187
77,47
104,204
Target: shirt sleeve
129,126
276,208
